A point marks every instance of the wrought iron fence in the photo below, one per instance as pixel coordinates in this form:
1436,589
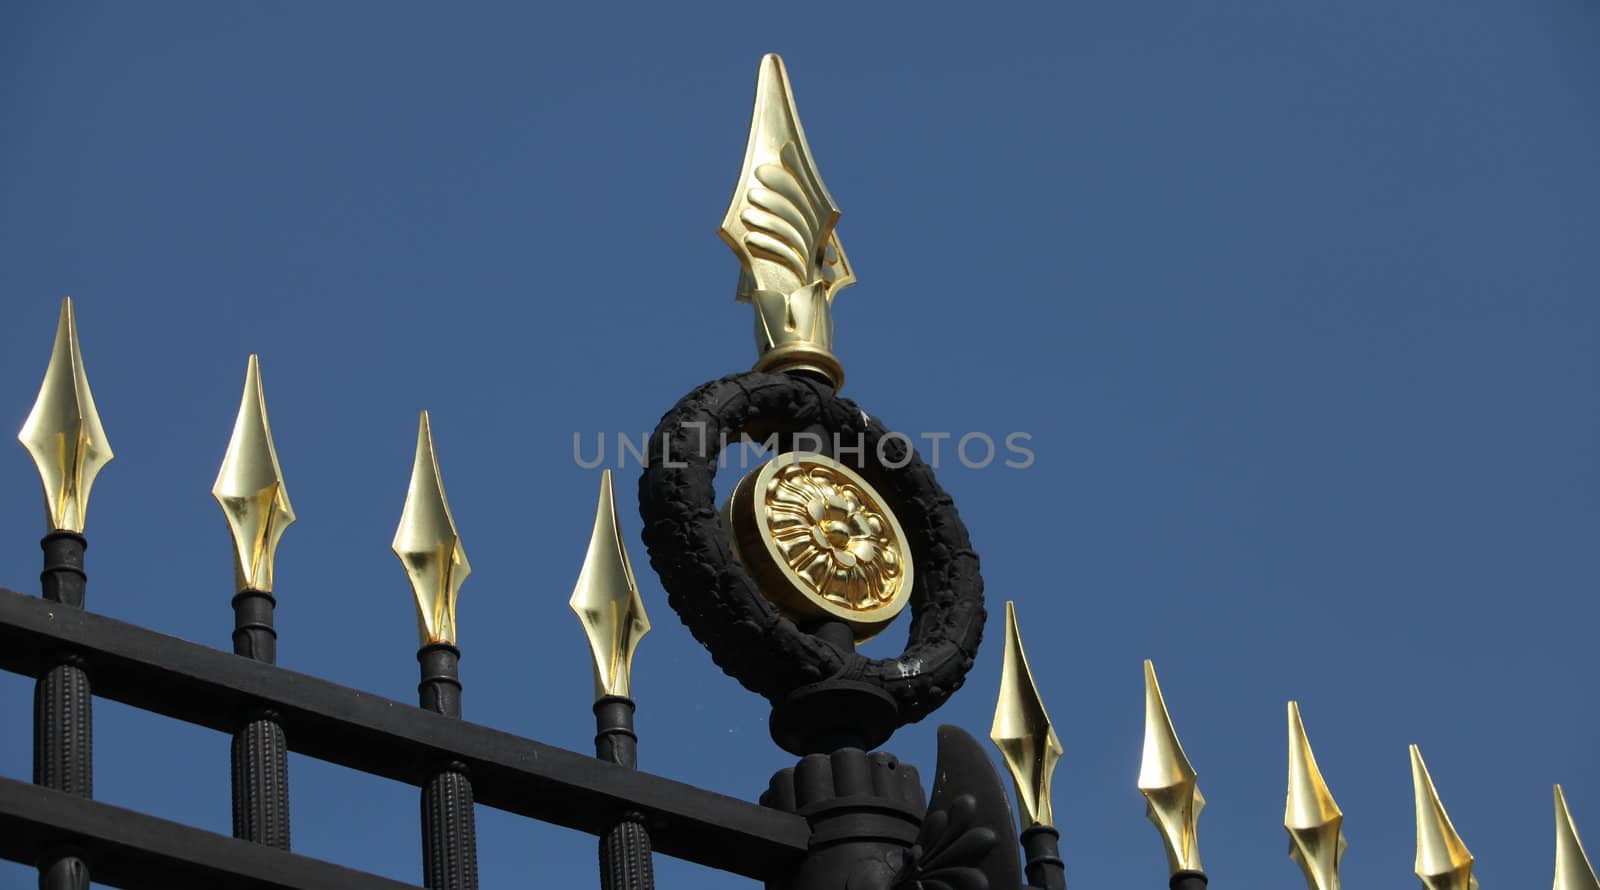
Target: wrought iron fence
811,555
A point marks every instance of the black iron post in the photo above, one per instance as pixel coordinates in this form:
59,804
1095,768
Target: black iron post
449,829
260,752
63,714
1041,852
625,862
1188,880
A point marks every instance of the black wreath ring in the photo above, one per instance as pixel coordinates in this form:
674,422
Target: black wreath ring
710,591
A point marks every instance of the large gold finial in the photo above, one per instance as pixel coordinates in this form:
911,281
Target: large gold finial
1443,862
1314,822
1022,730
429,546
250,489
607,601
781,226
63,431
1573,871
1169,782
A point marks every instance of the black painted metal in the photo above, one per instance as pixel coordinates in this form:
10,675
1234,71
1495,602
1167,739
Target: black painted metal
63,707
1187,880
1041,856
205,686
625,861
260,752
140,852
449,826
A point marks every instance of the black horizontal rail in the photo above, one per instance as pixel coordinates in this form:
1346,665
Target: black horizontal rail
140,852
219,690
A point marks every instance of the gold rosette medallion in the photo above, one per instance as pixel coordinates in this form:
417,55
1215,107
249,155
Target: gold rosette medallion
820,543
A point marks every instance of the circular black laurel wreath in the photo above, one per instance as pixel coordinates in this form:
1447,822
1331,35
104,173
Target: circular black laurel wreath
710,591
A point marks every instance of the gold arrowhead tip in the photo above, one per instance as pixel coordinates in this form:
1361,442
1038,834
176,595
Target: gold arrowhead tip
250,489
63,431
1022,730
429,546
1314,822
1443,862
607,601
1169,782
1573,871
780,224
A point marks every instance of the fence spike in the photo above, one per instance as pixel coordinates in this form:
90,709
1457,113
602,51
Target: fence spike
781,225
1169,782
1022,730
606,600
1443,862
429,546
251,490
1310,815
63,431
1573,871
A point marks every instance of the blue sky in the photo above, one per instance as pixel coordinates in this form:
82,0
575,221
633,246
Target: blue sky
1298,303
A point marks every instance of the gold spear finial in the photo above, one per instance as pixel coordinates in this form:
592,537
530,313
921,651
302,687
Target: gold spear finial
1314,822
607,601
1168,781
1443,862
1022,730
781,226
250,489
63,431
429,546
1573,871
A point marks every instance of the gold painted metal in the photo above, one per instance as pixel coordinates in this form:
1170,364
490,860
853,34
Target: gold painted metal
1314,822
429,546
1443,862
63,431
820,542
1022,730
781,226
1573,871
250,489
607,601
1169,782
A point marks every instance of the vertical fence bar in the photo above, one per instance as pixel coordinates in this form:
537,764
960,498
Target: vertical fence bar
1041,852
260,752
625,862
449,828
63,714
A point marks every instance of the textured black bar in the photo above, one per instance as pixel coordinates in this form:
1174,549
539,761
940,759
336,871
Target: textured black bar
63,706
625,862
63,729
261,783
356,729
1188,880
449,826
449,832
625,858
260,752
140,852
1041,856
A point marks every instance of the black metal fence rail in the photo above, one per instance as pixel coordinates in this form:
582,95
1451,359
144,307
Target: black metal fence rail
217,689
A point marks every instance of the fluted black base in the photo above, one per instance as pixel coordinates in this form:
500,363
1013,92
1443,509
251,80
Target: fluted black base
261,783
625,857
449,832
63,729
64,873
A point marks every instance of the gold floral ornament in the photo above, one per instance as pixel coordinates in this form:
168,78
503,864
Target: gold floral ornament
820,543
